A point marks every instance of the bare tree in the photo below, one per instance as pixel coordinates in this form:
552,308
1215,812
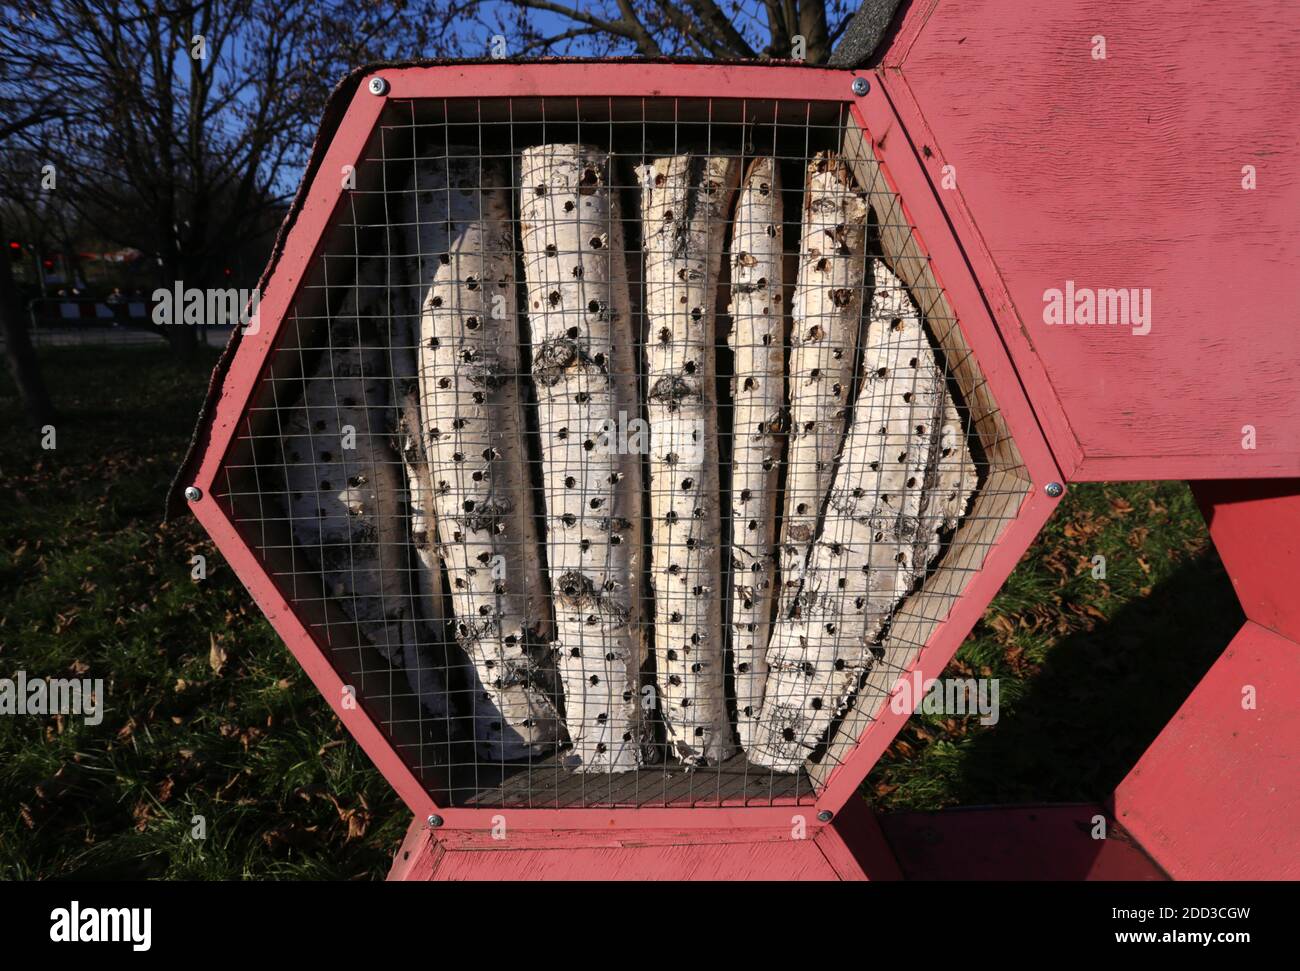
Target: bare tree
804,29
176,127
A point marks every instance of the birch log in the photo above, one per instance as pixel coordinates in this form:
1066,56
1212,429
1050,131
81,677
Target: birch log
826,314
686,201
473,432
904,475
758,395
584,370
428,664
345,498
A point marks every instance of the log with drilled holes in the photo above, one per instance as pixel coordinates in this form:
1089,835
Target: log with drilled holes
470,391
584,370
903,476
345,496
758,395
826,311
684,213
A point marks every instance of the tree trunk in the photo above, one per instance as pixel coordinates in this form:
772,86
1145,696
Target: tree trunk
758,394
812,24
20,354
584,369
904,475
827,314
473,428
685,205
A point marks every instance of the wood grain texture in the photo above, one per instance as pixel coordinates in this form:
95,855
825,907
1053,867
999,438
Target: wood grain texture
1127,172
796,847
647,854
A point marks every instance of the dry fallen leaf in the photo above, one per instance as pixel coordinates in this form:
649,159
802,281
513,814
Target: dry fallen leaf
216,655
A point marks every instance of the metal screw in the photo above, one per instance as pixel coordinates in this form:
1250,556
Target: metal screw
825,815
435,822
861,86
378,86
1054,489
193,493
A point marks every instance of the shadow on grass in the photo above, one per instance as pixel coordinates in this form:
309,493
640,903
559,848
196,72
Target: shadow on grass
1103,695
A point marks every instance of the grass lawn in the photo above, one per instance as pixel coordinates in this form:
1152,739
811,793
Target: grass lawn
93,586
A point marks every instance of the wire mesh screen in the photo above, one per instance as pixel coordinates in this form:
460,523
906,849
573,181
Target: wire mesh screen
621,452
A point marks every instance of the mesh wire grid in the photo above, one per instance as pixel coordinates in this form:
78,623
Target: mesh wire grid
553,457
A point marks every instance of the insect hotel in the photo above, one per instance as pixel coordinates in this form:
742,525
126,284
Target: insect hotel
613,438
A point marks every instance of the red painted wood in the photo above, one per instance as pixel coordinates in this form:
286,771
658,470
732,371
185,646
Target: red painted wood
418,855
850,848
1217,795
855,847
1015,843
618,80
992,290
903,172
653,854
1127,172
300,248
1256,530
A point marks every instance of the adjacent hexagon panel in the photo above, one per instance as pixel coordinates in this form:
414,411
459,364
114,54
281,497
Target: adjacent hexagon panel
1119,176
604,453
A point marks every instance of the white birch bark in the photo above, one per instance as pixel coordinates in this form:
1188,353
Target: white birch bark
584,370
904,476
758,396
684,211
826,314
345,498
474,437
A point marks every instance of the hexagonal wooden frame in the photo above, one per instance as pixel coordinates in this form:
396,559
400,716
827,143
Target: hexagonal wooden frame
928,256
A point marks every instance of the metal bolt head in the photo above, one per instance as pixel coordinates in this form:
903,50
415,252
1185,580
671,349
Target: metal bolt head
435,821
825,815
193,493
378,86
1054,489
861,86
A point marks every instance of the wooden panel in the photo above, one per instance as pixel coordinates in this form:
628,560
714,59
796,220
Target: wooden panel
1127,172
637,855
852,847
1217,795
1256,530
